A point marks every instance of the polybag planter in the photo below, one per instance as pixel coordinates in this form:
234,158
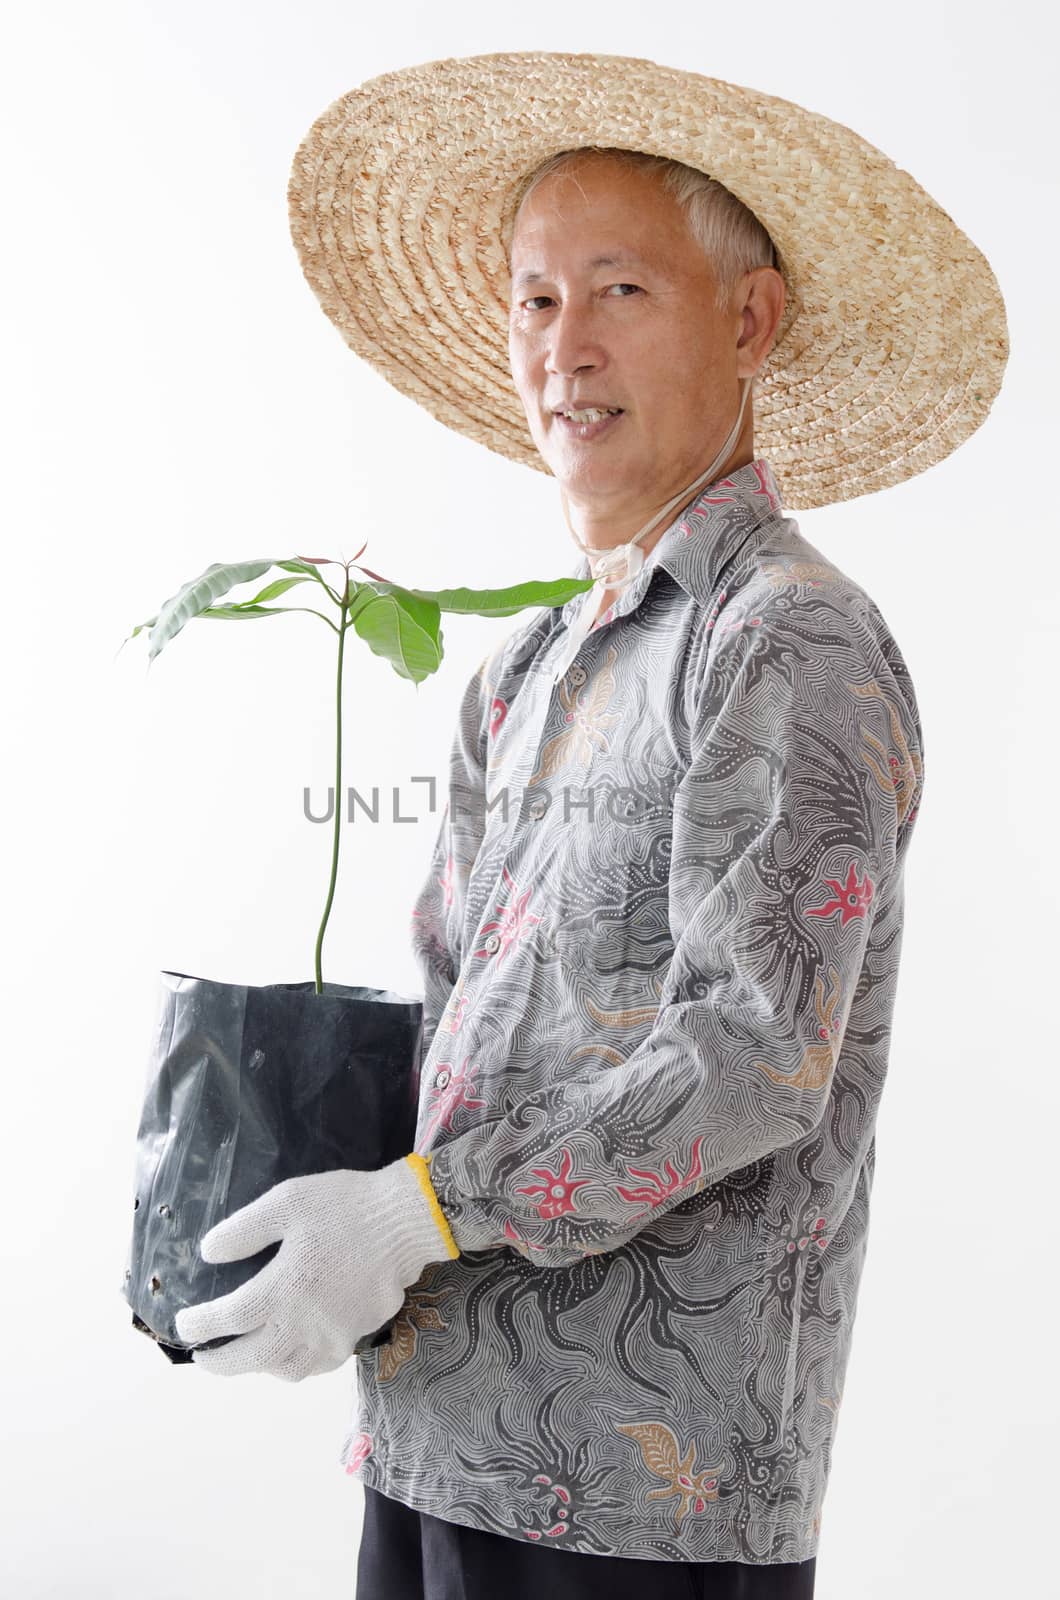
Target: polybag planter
249,1085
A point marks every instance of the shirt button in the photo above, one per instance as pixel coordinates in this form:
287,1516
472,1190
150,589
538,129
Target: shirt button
493,942
538,808
441,1078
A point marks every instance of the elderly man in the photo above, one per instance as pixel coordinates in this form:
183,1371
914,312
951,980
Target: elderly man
661,927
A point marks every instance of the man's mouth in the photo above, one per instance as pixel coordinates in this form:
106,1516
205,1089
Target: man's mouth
589,422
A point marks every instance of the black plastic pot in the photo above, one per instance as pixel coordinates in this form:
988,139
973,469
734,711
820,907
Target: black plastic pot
247,1086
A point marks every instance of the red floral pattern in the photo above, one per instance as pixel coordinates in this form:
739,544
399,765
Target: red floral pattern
451,1089
359,1452
850,899
513,923
556,1189
657,1189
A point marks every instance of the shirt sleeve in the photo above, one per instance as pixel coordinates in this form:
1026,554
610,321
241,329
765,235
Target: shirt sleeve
804,769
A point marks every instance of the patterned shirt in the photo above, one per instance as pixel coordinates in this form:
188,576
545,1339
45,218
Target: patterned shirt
660,941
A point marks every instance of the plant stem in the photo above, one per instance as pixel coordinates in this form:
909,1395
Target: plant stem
337,831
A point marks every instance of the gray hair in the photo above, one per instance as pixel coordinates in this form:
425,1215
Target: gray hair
727,231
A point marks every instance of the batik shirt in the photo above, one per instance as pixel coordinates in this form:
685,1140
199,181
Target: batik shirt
660,942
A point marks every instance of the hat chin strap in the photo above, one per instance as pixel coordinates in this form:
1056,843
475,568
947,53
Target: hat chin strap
619,565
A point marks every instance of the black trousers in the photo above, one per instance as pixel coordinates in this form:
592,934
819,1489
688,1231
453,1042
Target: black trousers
409,1555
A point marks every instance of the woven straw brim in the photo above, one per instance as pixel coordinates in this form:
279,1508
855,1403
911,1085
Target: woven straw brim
402,196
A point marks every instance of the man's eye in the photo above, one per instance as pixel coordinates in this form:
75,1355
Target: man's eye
529,303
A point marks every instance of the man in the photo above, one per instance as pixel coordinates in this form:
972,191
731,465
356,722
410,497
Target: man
659,938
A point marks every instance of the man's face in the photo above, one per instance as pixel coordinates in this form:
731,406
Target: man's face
642,334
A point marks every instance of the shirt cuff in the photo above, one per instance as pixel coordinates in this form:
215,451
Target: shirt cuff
420,1166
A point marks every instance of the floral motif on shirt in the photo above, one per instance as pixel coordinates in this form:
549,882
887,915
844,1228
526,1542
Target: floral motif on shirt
661,1455
452,1088
850,899
766,484
560,1525
736,618
419,1313
360,1452
815,1068
586,719
814,1235
514,921
779,574
446,881
901,772
498,712
657,1188
556,1188
629,1017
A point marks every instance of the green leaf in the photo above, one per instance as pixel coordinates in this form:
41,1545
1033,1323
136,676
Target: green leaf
248,610
505,602
273,591
296,564
401,625
197,595
308,565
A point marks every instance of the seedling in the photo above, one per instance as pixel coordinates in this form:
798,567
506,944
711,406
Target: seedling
400,624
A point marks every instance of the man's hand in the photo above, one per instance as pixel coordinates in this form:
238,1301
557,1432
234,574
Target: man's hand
352,1242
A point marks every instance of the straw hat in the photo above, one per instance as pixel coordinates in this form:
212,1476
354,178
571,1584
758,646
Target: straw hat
402,199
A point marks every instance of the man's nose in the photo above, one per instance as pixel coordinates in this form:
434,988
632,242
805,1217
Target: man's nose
572,342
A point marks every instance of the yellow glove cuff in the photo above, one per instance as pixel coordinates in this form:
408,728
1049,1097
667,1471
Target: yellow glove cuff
419,1165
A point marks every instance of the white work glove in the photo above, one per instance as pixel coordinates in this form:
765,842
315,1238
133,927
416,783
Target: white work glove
352,1242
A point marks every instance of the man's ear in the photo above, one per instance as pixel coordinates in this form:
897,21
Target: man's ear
763,297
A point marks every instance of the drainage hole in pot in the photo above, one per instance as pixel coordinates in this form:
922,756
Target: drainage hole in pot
156,1284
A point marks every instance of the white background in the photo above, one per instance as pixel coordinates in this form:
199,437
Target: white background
174,396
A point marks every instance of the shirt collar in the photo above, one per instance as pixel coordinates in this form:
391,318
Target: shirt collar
709,532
